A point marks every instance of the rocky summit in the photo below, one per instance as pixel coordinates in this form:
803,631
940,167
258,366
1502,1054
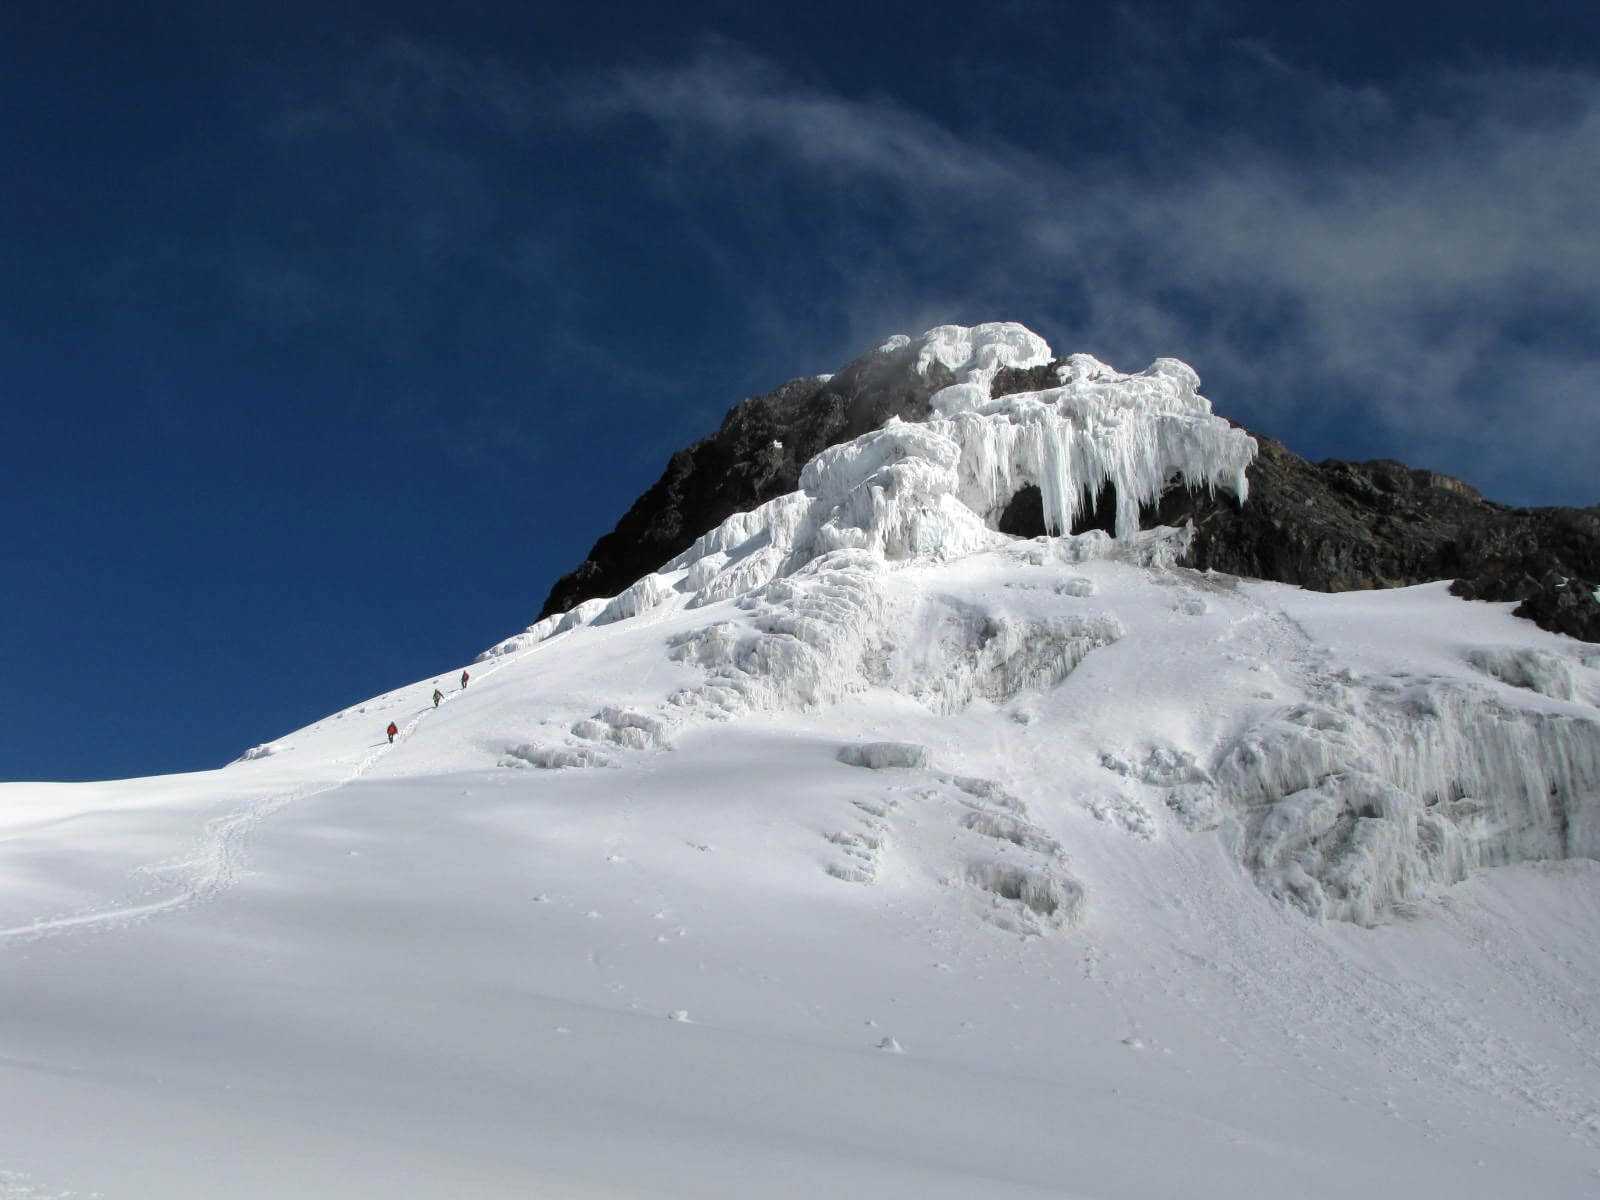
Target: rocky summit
1332,526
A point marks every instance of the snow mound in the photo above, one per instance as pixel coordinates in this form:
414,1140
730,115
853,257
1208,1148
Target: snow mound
1011,829
1123,812
581,614
1162,766
863,851
1027,899
264,750
1185,787
526,640
1196,806
832,629
960,653
878,756
630,602
625,728
555,757
983,793
802,642
1524,667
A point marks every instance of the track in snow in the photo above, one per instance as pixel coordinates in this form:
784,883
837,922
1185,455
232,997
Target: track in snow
214,867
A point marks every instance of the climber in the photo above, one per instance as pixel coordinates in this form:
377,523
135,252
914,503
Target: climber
464,678
392,731
437,696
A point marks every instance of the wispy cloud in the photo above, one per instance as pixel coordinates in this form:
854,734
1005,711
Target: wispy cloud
749,104
1411,269
1416,270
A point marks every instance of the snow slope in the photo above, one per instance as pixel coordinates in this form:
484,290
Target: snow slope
885,866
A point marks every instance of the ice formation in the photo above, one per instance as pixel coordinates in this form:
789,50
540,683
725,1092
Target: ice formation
1365,797
936,489
881,756
1536,670
831,629
1373,798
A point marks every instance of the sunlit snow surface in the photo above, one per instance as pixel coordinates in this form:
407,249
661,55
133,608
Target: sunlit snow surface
936,864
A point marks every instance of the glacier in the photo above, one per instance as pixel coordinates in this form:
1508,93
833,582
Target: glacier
1348,808
861,848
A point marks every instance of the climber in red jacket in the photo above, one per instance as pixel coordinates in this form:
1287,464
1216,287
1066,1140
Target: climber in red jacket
464,678
392,731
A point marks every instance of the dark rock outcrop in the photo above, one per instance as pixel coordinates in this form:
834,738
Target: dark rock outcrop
1339,526
1332,526
756,455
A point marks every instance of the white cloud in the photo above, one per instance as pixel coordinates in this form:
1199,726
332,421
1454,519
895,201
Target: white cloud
1426,261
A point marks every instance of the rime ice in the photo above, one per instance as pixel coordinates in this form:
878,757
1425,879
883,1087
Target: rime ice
935,490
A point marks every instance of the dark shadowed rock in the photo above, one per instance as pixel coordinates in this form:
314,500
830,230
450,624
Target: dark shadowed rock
1332,526
756,456
1340,526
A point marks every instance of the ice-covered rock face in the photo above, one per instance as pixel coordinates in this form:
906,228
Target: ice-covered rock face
936,490
1137,433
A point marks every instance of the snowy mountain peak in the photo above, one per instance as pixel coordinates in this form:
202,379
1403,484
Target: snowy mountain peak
983,863
977,353
1352,796
936,490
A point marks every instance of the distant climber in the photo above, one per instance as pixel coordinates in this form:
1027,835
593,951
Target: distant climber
392,731
464,678
437,696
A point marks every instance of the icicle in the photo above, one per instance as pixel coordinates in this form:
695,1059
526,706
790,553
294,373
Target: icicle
937,489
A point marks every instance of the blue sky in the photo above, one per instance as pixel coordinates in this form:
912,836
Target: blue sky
329,339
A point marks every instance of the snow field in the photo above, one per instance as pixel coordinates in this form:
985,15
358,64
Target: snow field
859,849
466,952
